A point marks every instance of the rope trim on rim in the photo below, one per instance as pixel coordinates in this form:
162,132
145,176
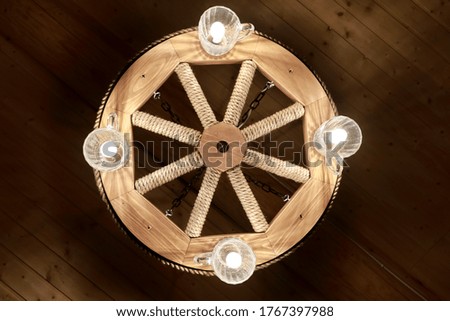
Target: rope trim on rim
122,226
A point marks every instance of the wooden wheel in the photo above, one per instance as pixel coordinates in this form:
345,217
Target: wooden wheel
228,144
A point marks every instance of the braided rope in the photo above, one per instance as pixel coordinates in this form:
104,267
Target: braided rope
195,94
248,200
275,121
125,230
168,173
240,92
276,166
203,202
166,128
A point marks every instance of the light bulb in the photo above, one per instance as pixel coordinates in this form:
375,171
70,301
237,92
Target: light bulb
217,32
109,149
234,260
333,132
338,135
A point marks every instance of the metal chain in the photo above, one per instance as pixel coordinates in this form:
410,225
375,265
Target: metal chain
255,103
267,188
166,107
177,201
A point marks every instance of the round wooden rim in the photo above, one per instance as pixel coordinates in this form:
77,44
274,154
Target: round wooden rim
147,223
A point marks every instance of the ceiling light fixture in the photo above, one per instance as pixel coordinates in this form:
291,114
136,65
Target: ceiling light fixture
221,148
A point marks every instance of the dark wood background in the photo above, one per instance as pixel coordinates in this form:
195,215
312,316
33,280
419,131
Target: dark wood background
386,64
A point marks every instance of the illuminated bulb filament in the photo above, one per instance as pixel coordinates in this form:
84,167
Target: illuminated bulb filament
233,260
109,149
338,135
217,32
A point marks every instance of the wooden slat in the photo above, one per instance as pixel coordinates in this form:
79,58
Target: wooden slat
69,248
288,73
88,76
8,294
433,261
257,241
342,271
49,266
151,226
346,56
299,215
189,50
418,21
24,280
437,9
398,53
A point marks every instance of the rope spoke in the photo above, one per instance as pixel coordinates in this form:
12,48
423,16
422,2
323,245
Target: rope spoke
276,166
240,92
195,95
275,121
248,200
168,173
203,202
166,128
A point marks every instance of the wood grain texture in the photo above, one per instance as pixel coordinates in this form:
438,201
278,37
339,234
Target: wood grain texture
226,159
151,226
189,50
8,294
288,73
299,215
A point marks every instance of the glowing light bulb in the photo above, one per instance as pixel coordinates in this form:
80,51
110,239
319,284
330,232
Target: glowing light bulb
234,260
217,32
109,149
338,135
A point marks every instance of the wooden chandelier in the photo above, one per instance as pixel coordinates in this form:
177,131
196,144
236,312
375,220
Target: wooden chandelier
150,226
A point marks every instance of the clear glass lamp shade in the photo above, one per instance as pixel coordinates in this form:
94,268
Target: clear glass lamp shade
232,260
106,149
219,29
336,139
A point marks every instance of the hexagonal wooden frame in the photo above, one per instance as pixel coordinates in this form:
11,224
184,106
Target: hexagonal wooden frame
146,222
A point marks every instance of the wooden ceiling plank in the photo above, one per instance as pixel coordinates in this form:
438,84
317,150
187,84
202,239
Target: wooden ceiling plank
47,264
62,242
435,261
342,269
57,50
8,294
415,19
398,47
350,59
436,9
25,281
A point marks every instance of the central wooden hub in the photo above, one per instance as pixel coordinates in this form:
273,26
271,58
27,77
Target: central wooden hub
222,146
